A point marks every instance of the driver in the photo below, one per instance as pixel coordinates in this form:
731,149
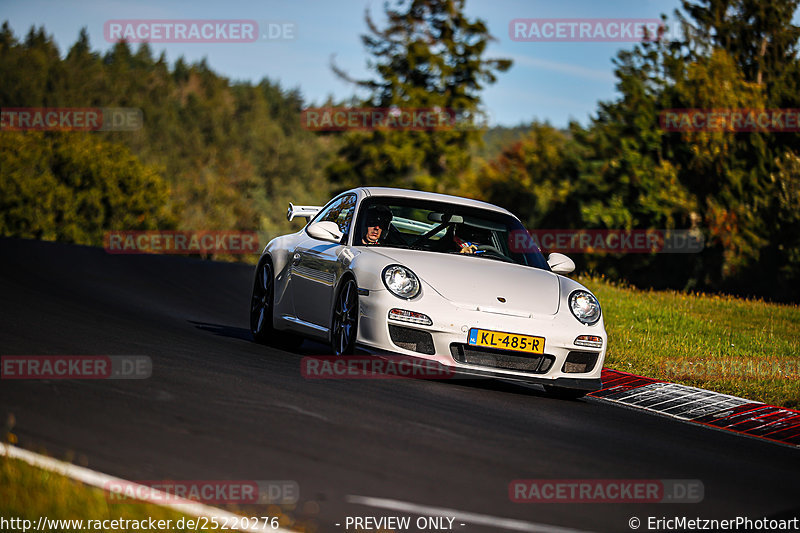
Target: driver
377,222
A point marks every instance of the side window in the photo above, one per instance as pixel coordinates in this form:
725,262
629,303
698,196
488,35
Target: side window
346,213
340,211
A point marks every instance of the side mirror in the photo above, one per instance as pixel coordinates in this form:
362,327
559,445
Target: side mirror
560,263
325,231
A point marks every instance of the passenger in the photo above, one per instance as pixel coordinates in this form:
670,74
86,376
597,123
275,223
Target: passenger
468,239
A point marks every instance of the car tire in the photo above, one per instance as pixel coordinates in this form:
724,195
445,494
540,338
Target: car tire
261,306
344,322
563,393
261,303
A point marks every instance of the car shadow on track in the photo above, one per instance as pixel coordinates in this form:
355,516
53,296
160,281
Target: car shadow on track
224,331
498,385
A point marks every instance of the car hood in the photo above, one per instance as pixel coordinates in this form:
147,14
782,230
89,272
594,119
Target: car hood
478,282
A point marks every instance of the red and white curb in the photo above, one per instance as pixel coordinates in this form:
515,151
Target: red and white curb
155,497
700,406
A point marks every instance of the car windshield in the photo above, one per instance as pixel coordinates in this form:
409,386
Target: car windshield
440,227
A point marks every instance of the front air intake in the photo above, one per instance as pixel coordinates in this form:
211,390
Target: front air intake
412,339
579,362
488,357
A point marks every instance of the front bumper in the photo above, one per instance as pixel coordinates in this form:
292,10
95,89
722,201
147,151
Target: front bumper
448,345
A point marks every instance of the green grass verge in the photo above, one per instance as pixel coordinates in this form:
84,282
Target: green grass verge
28,492
747,348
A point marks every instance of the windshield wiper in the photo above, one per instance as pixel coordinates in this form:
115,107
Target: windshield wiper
487,256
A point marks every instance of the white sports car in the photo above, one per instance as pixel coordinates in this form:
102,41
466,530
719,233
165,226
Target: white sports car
430,276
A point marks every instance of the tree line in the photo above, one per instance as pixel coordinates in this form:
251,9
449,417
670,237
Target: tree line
211,154
216,154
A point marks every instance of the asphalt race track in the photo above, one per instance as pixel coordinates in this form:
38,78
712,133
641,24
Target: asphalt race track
219,406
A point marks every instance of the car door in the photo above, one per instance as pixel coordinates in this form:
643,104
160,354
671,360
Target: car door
316,266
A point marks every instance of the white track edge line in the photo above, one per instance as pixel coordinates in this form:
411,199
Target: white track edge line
474,518
100,480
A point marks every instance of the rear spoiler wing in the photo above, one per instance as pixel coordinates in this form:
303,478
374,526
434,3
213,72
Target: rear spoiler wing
305,211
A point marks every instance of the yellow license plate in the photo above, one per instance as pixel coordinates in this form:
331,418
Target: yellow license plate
506,341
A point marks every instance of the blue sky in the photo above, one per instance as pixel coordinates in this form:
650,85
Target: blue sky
549,81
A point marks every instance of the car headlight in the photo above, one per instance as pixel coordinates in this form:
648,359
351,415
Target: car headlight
585,307
401,281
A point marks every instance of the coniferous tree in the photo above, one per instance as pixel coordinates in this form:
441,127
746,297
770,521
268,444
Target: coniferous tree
430,55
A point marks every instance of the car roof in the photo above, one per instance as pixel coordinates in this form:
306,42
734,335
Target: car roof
433,196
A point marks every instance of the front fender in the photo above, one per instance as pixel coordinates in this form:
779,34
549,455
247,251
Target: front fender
367,267
279,250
